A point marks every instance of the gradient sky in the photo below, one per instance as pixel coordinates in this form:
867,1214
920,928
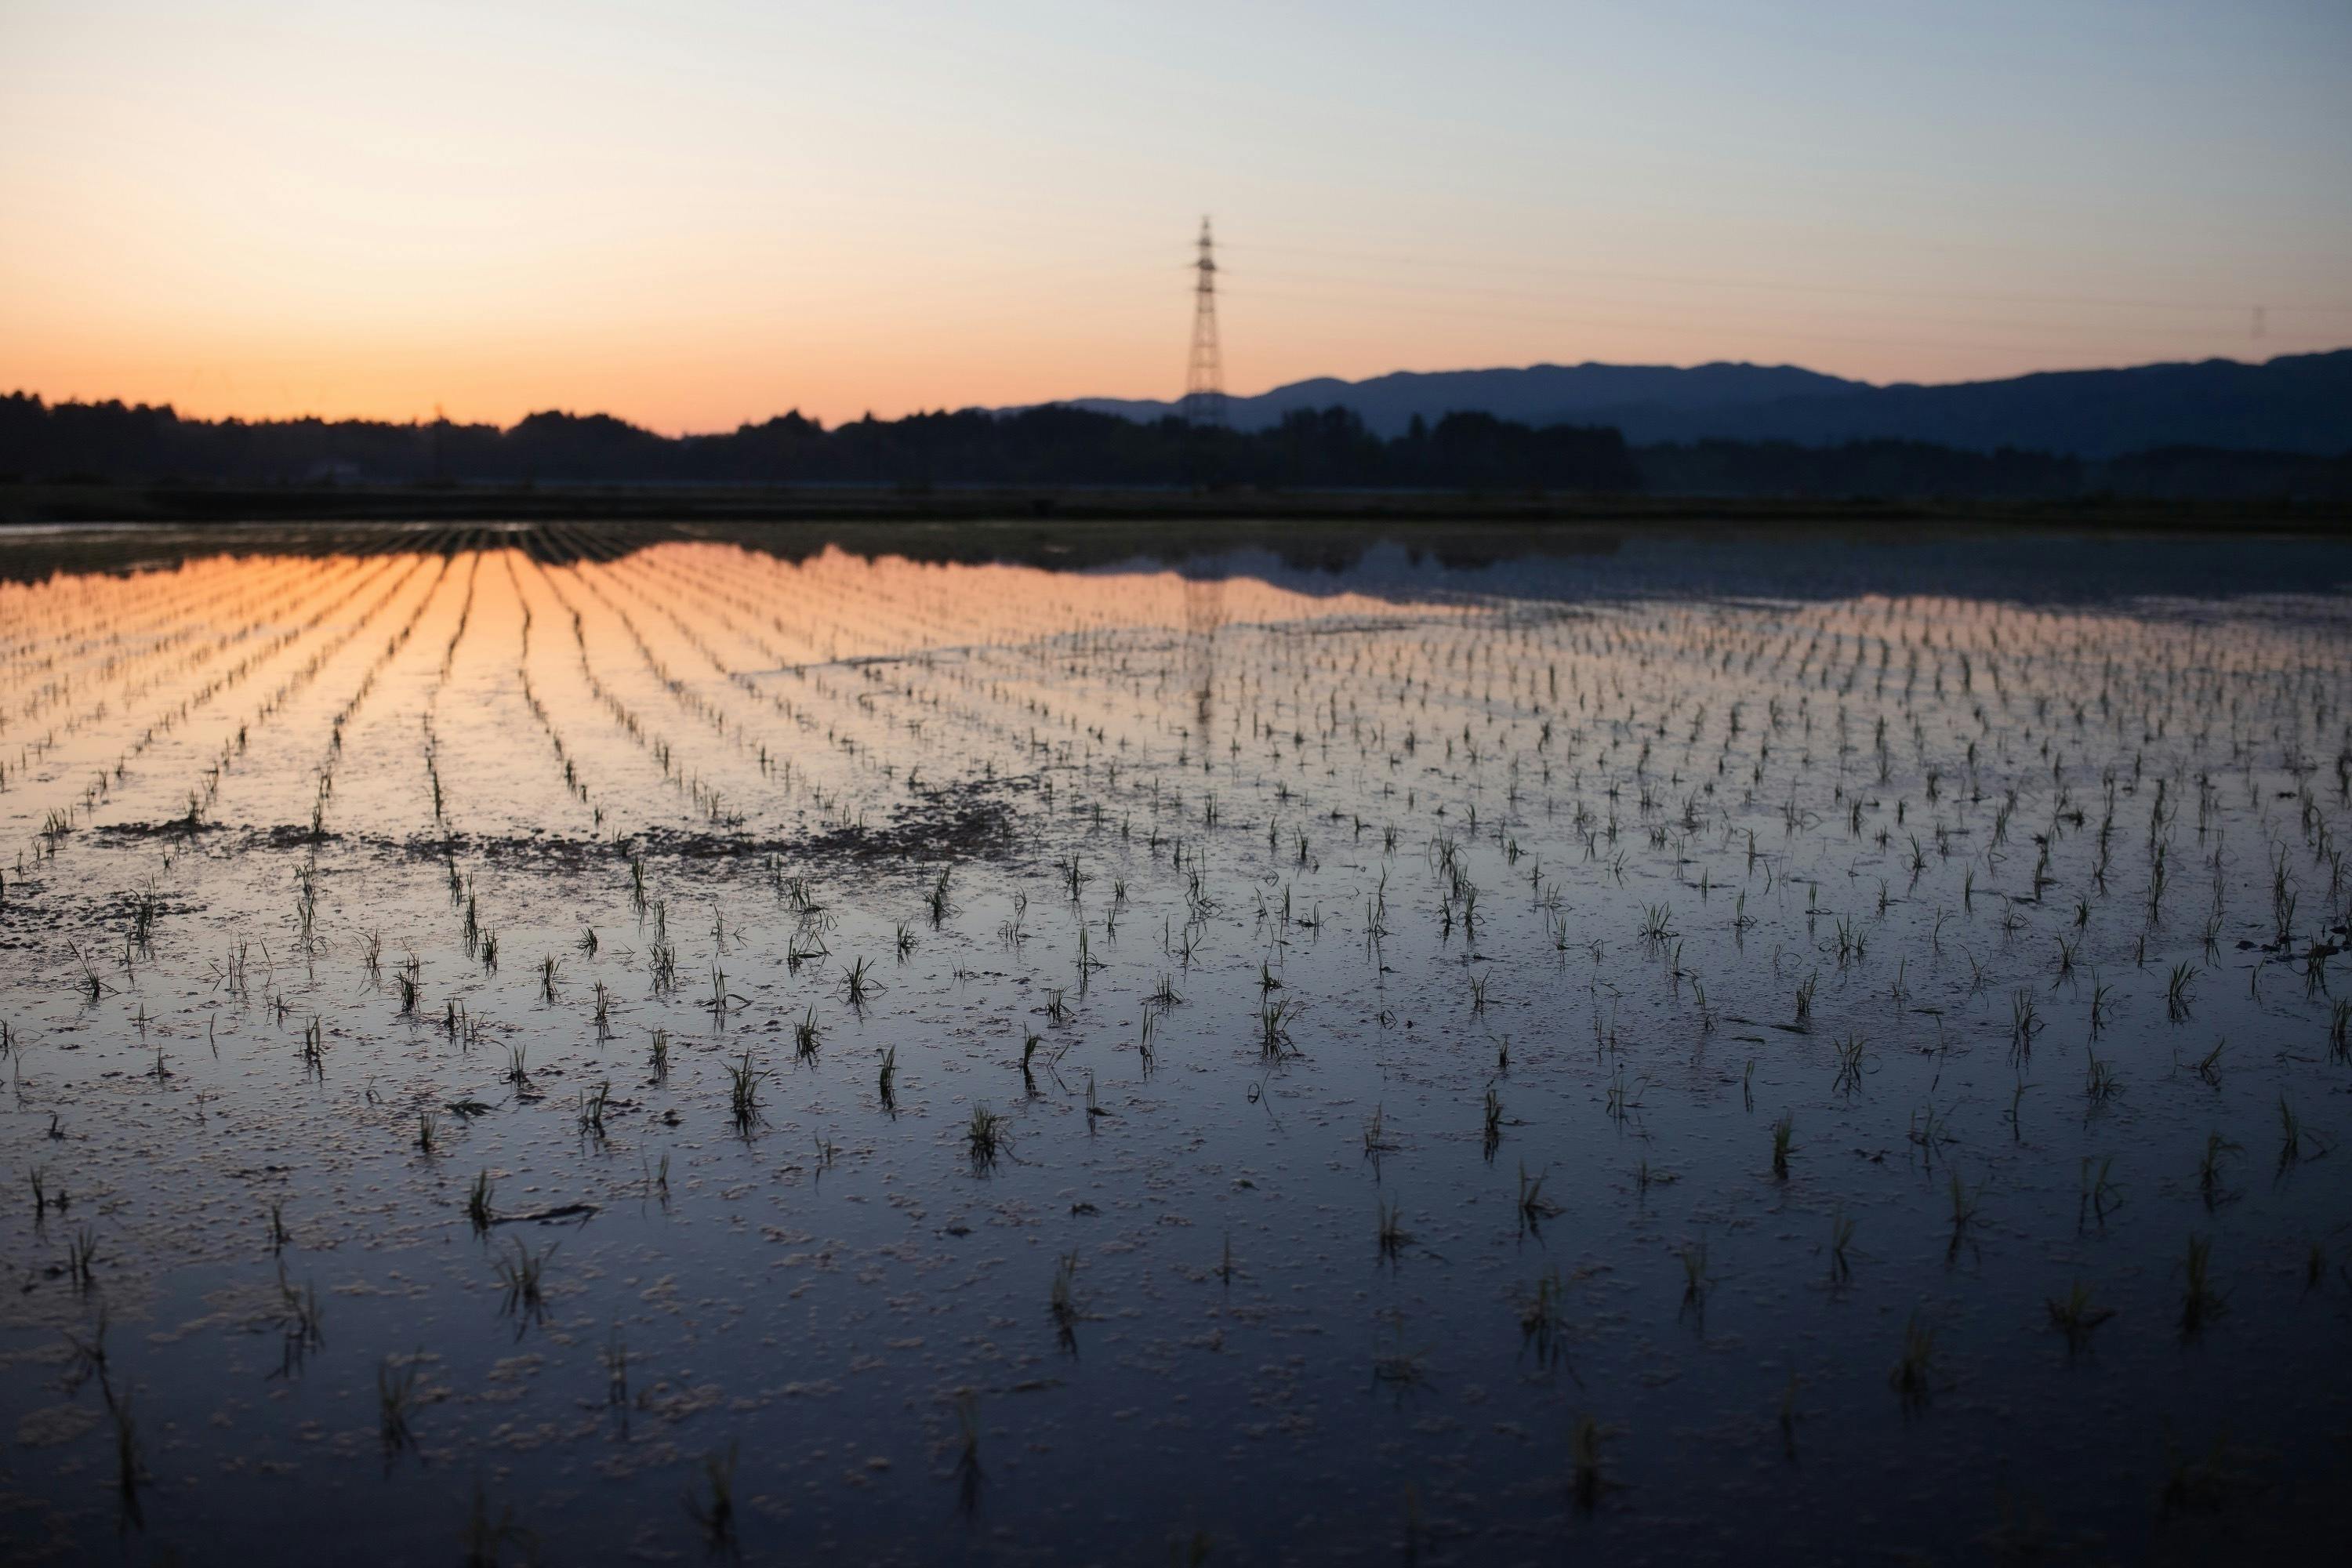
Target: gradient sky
693,213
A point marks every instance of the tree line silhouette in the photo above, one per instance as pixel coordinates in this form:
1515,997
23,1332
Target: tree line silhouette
1055,445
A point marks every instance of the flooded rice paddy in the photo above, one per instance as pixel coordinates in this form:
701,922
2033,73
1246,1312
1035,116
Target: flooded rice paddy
521,1047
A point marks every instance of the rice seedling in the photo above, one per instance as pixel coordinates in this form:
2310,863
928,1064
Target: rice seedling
1623,1097
2209,1066
1913,1377
857,984
301,1323
969,1475
743,1094
2076,1315
985,1137
2099,1081
2206,1483
1849,1064
713,1508
2290,1135
593,1104
478,1203
2209,1166
616,1357
1588,1482
2100,1193
2176,992
2200,1304
130,1467
1782,1132
521,1280
2017,1107
396,1394
1964,1203
81,1257
1274,1021
721,1001
1543,1321
1697,1279
1393,1236
2025,1022
486,1541
90,1357
1533,1208
1062,1301
1842,1228
806,1037
1401,1369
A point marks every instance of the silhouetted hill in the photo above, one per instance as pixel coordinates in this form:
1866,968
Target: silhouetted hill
2294,404
1538,395
1045,447
1054,447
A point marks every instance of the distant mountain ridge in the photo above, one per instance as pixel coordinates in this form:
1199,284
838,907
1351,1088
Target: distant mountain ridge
2295,403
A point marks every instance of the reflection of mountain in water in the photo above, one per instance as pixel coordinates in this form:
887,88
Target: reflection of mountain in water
1406,563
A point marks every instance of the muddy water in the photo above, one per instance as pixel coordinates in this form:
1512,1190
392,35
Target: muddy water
1786,1049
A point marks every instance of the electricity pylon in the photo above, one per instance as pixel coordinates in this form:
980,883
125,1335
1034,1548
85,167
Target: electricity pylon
1204,378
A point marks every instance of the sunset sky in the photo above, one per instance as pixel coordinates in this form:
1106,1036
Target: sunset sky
693,213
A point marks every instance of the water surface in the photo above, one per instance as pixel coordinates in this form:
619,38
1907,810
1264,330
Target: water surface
1386,974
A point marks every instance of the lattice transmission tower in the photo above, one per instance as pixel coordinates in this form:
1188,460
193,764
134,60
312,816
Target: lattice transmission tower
1204,376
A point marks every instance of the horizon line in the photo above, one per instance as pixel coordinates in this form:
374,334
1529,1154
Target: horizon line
1172,404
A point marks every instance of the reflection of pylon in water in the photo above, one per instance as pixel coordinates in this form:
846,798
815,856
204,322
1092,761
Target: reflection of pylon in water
1204,612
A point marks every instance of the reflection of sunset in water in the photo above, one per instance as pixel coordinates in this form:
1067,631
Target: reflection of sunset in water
266,687
688,683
